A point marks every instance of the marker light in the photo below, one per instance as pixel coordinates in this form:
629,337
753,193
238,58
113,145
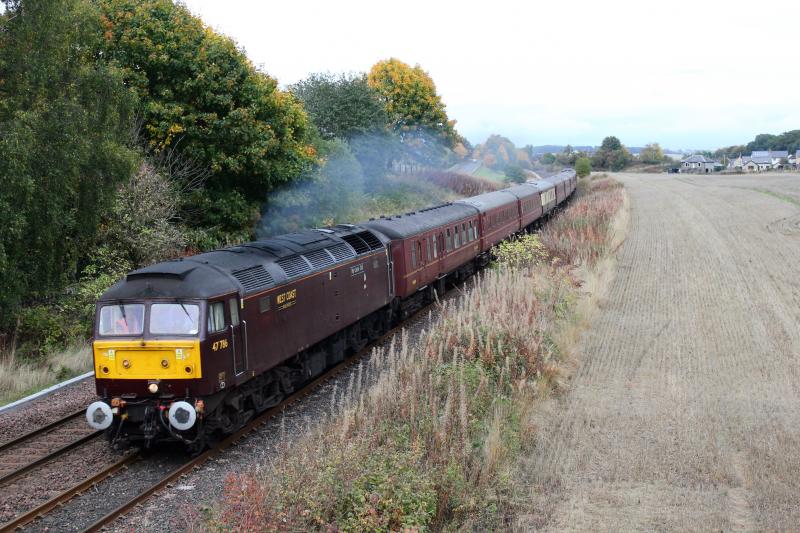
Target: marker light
153,388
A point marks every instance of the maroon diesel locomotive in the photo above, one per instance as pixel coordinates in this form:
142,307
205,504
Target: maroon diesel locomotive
191,349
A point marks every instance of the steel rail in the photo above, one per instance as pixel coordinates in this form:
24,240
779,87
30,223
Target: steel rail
40,430
41,510
49,457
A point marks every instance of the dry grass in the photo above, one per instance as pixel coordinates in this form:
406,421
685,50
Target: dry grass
461,184
426,435
581,234
19,378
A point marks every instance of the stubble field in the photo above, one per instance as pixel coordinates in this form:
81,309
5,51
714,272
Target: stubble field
684,410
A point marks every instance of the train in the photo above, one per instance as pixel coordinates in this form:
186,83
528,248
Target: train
190,350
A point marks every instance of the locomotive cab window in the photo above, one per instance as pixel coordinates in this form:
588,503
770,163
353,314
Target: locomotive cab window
234,312
174,319
216,317
120,320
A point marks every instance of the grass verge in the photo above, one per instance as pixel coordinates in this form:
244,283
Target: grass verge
19,378
426,435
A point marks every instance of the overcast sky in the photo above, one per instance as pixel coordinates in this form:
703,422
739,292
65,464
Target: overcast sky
687,74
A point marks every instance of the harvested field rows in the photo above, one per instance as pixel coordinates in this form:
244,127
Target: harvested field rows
684,411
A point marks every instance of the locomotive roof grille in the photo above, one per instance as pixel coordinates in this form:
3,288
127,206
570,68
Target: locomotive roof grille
254,278
358,244
294,266
320,258
372,241
341,252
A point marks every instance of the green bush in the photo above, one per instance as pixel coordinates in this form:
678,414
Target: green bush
391,494
583,167
522,252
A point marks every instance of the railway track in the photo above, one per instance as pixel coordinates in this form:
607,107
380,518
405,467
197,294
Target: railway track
123,463
42,445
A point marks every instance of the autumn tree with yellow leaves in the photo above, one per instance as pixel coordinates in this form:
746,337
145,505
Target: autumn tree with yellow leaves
412,102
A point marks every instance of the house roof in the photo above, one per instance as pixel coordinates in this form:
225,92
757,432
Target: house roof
698,158
760,153
762,160
779,153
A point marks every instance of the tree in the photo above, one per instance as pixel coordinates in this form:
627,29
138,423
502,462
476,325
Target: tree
652,153
610,144
611,155
412,101
66,122
201,94
788,140
502,150
547,159
583,167
342,105
515,174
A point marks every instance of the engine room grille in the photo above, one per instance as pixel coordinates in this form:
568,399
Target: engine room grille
341,252
294,266
319,258
254,278
372,241
357,243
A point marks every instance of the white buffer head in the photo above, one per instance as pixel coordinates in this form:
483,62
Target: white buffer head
182,415
99,415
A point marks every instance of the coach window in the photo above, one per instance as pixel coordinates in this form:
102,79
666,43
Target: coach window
435,242
471,232
419,251
464,238
455,237
216,317
428,246
413,257
449,241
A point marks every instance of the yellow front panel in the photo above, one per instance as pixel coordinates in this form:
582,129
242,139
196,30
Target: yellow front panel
161,359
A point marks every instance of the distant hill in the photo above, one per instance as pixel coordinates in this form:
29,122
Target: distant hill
556,148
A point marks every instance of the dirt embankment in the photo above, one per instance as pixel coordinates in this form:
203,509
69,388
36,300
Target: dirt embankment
683,412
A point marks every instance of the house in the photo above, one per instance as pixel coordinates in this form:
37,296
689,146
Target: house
698,163
761,160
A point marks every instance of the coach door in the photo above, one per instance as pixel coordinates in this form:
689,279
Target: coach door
238,340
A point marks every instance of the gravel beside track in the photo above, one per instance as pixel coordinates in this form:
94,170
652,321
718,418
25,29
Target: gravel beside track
683,411
39,485
42,411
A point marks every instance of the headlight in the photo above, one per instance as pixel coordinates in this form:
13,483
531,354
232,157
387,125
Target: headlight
99,415
182,415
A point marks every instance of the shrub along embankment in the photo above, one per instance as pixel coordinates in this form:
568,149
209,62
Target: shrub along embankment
427,433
